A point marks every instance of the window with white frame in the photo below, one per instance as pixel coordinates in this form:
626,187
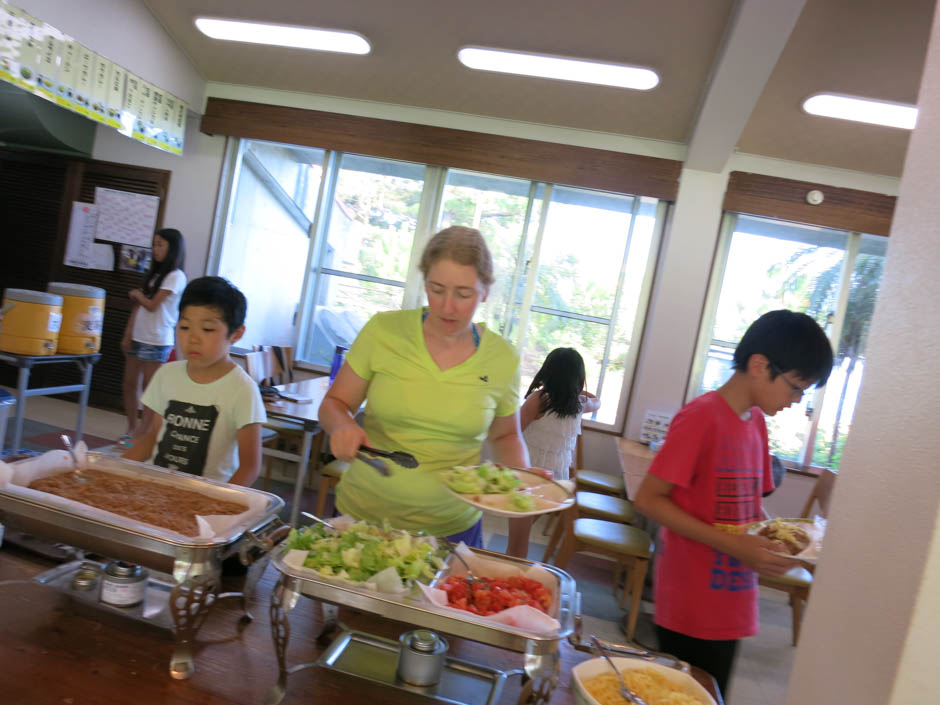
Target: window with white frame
834,276
320,241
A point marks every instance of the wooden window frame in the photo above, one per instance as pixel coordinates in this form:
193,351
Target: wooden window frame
535,160
785,199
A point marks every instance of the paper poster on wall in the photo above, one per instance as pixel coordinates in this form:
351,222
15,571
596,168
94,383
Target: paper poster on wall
81,235
102,256
40,59
126,217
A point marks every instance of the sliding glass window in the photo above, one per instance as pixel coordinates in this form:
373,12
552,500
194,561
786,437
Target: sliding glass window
832,275
320,241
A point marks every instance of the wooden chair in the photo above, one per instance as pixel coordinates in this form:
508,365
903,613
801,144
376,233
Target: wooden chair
592,505
271,365
798,581
595,480
631,548
330,475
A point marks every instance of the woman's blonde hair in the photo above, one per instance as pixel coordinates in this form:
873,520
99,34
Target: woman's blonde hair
461,245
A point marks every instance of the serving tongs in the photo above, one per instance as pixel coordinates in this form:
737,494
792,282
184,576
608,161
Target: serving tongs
406,460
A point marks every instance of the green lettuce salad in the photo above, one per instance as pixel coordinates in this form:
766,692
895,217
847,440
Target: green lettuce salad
486,478
489,478
363,550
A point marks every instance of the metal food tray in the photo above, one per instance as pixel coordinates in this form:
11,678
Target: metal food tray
413,609
195,564
376,659
122,538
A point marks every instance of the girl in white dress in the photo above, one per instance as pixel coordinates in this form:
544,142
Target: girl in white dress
551,414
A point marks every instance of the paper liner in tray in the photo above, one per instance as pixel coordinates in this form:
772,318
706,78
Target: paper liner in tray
522,617
15,478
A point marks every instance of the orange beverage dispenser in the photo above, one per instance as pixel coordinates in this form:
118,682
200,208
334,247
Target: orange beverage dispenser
82,317
31,322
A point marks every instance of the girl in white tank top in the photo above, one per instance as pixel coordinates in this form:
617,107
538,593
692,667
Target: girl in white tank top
551,413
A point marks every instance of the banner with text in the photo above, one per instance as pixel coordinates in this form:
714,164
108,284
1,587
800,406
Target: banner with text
46,62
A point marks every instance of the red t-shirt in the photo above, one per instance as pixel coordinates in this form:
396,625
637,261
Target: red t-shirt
720,466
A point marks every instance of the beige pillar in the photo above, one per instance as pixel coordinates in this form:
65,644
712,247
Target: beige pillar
871,630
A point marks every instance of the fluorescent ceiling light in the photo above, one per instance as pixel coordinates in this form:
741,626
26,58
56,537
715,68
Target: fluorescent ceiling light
876,112
557,67
284,35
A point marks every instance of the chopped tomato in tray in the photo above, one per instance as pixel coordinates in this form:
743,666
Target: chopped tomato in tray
491,595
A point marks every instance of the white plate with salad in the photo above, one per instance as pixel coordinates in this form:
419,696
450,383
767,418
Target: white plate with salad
508,492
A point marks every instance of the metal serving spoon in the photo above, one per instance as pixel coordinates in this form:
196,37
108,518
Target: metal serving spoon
319,520
67,442
625,691
471,578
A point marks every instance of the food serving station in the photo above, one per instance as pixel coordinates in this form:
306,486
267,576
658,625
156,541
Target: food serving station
391,646
184,572
541,664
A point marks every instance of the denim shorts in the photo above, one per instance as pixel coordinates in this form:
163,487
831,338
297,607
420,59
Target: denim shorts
473,536
150,353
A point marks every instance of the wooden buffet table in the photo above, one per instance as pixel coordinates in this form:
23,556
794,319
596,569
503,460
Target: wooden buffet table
635,459
55,650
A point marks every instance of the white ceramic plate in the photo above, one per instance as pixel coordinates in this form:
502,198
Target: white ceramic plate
810,554
587,670
550,496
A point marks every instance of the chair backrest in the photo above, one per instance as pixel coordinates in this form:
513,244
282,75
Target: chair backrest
577,462
255,366
277,364
822,493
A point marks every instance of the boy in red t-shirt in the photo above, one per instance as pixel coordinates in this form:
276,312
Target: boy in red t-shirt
712,469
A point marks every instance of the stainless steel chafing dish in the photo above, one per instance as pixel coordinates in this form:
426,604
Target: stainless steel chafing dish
194,563
542,660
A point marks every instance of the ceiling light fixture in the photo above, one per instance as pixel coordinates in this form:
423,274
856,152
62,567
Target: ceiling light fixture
876,112
543,66
284,35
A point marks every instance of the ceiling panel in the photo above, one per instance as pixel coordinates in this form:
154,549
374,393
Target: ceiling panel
414,61
867,48
872,48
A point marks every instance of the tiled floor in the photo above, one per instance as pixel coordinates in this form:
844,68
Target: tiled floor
764,662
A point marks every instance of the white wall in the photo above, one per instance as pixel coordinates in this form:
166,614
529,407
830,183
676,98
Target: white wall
193,185
871,629
125,32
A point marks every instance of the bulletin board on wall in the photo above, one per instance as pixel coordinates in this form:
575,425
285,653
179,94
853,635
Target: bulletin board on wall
38,192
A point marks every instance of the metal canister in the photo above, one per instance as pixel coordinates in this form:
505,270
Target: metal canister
86,577
422,656
123,584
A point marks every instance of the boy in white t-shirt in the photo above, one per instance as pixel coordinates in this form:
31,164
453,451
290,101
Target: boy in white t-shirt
207,412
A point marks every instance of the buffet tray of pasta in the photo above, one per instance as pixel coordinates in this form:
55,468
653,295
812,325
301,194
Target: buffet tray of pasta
511,603
129,510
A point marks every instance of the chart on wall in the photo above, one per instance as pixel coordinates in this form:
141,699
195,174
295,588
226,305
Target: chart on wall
39,58
125,217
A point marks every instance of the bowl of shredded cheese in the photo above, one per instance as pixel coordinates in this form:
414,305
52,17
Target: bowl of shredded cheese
596,684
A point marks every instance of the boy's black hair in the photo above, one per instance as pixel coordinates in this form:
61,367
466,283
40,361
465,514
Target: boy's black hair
220,294
790,341
175,259
560,380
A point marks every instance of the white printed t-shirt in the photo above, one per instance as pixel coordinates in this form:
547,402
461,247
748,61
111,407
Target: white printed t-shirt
201,421
158,327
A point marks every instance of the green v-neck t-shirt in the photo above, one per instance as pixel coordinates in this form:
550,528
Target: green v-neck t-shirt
440,416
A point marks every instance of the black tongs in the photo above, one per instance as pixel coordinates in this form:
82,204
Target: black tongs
406,460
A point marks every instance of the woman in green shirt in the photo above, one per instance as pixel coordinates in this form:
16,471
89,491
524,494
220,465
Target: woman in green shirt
436,385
